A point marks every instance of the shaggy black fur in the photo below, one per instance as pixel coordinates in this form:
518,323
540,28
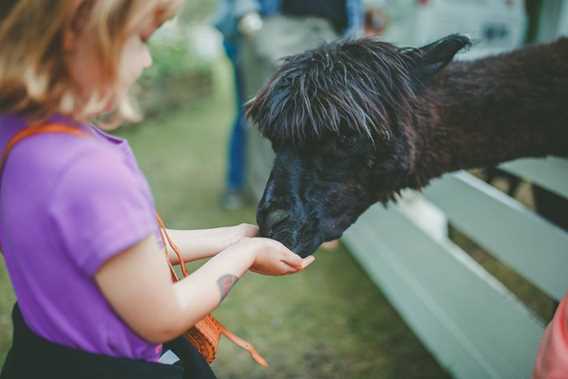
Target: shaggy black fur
354,122
336,88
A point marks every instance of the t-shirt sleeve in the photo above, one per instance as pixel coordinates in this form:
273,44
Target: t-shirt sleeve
99,209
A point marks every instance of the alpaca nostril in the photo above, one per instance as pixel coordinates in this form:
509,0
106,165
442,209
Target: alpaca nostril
276,217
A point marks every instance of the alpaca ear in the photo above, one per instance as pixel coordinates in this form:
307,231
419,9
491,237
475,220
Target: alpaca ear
432,58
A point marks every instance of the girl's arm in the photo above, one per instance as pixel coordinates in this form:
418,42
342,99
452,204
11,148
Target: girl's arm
205,243
138,285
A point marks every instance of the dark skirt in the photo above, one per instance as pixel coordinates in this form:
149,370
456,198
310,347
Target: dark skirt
32,356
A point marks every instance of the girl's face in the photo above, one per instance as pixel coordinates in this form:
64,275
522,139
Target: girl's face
86,71
135,57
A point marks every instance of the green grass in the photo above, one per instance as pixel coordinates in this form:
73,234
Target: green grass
328,322
6,300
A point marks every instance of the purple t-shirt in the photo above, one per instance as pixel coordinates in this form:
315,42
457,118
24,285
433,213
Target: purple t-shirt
67,205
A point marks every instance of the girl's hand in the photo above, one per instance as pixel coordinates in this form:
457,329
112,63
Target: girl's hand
273,258
239,232
244,231
206,243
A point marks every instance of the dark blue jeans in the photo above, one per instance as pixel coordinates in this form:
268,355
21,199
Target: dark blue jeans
236,150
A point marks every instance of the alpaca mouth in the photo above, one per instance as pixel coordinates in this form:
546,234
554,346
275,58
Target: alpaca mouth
301,242
307,248
304,236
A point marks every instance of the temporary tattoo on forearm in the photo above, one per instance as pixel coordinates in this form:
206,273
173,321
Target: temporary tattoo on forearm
225,283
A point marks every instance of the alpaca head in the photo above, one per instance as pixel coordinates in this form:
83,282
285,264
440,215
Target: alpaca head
341,120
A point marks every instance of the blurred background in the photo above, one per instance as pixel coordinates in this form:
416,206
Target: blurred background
331,321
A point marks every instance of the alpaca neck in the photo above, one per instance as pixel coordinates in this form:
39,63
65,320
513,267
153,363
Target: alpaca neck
484,112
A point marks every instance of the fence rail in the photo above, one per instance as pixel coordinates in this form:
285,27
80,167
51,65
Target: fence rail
550,173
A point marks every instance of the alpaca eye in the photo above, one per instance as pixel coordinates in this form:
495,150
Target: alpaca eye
344,141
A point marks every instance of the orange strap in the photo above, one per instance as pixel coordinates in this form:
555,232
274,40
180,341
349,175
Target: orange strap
244,345
67,129
167,241
37,129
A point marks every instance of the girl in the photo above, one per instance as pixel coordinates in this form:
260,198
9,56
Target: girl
77,221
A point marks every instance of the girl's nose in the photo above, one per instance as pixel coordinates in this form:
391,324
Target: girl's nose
147,58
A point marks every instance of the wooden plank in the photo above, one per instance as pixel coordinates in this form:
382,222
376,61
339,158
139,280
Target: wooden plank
469,321
549,20
550,173
514,234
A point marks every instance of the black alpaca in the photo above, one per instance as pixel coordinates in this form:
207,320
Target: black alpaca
354,122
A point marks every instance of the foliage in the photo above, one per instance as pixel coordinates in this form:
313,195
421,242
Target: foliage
172,56
177,75
198,11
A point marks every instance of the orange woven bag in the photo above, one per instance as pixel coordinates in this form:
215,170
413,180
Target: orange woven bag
204,335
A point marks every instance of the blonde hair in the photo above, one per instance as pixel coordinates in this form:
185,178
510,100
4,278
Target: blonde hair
35,79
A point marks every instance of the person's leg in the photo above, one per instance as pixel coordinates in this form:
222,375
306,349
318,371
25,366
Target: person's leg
236,150
237,143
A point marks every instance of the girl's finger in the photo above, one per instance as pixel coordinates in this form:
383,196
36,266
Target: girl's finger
252,231
294,261
286,268
308,261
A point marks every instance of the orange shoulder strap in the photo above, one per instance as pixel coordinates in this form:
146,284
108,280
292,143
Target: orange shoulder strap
38,129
